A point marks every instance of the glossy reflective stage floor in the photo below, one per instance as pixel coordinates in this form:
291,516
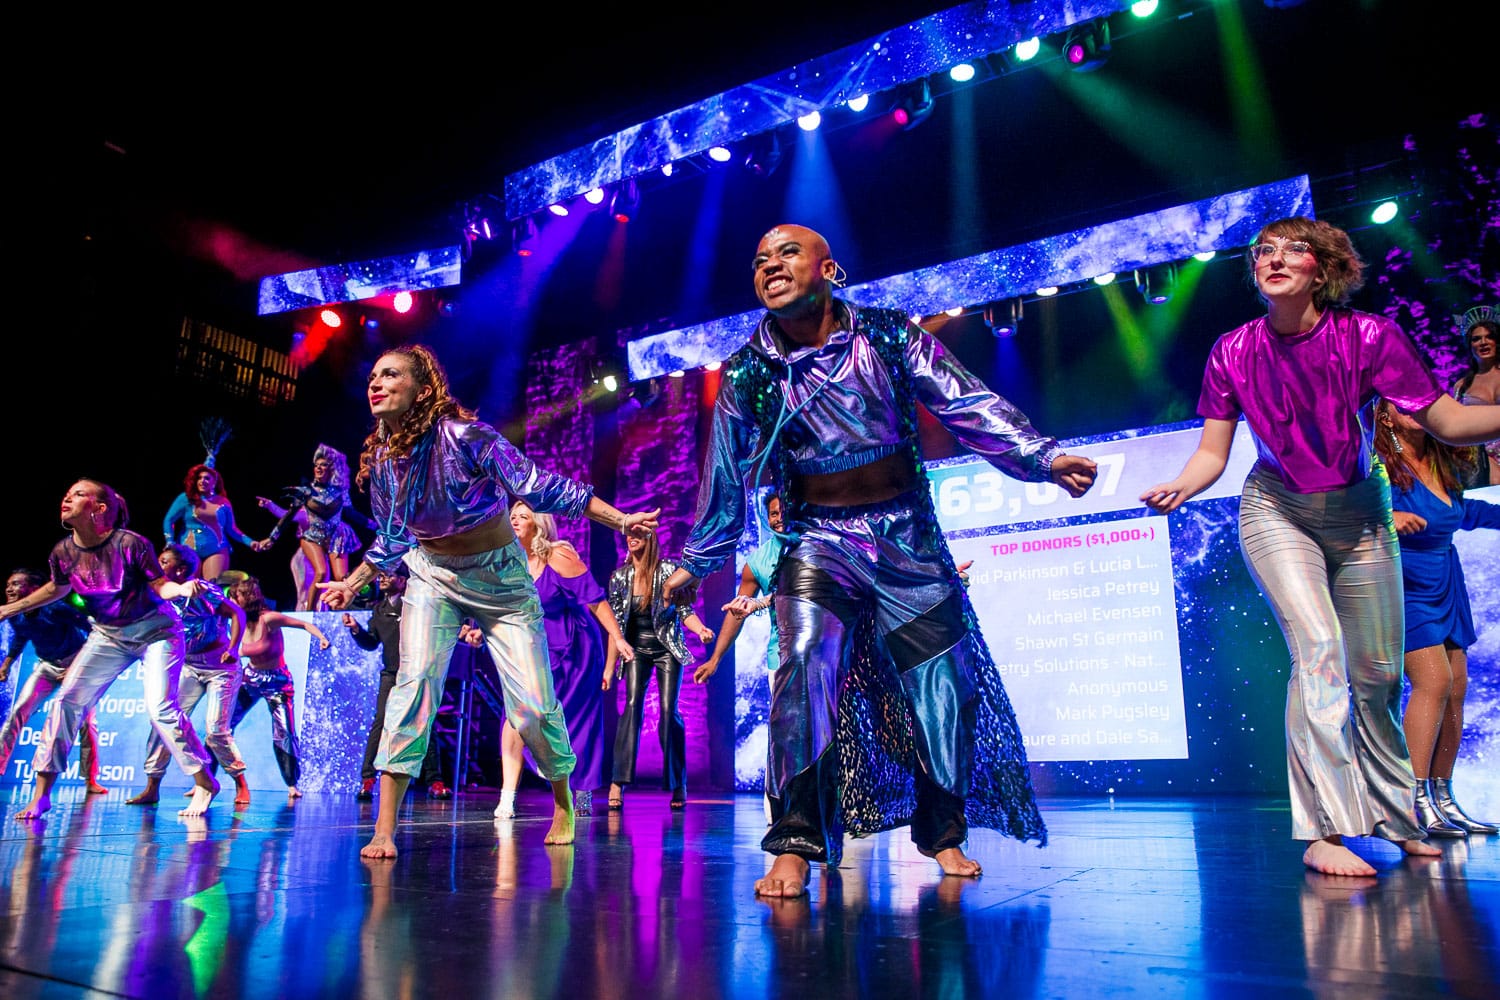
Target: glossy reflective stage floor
1163,898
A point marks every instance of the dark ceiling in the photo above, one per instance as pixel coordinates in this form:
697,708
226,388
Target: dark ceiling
260,148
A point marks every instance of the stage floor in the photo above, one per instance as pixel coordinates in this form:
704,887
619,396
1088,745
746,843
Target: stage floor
1186,897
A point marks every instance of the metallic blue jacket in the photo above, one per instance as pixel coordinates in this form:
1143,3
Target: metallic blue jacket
838,410
458,476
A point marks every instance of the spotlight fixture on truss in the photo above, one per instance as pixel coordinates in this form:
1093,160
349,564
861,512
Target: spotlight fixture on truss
1086,45
1003,317
523,236
605,374
914,105
763,154
1157,283
626,202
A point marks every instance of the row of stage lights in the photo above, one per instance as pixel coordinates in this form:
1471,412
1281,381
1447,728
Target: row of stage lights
1084,46
1155,284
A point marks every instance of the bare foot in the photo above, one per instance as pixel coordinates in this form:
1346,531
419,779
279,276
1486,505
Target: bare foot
97,789
148,797
36,807
241,791
561,831
788,877
1420,848
203,797
293,792
954,861
380,846
1333,858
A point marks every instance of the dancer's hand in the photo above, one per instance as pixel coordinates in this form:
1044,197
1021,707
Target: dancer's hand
705,670
336,594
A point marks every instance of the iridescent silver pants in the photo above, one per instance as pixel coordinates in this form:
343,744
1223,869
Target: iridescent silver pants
203,675
157,642
1329,565
850,561
495,589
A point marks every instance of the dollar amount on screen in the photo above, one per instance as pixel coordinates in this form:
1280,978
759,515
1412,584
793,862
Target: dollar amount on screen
1119,535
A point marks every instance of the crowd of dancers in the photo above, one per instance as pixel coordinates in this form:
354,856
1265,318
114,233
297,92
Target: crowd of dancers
886,707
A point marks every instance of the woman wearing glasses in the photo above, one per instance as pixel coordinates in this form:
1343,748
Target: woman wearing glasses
1315,524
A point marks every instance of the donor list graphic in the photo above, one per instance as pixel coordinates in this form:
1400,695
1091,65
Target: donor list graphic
1082,624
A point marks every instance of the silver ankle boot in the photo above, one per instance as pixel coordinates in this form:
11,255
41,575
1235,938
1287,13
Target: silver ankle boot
1434,822
1442,799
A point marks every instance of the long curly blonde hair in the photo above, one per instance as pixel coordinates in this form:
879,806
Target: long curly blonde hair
426,370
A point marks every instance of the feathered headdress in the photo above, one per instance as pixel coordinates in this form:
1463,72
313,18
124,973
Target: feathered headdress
213,432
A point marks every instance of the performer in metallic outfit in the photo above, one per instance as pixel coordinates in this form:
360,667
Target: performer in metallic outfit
825,395
115,572
202,519
654,629
325,540
212,625
1316,527
439,479
266,677
56,632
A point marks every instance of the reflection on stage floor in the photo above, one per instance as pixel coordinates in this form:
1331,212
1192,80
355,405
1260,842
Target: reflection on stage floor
1183,897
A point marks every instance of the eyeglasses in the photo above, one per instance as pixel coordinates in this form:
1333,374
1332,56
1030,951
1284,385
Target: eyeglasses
1294,250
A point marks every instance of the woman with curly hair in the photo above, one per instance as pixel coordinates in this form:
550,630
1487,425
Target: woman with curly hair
1316,527
440,483
202,519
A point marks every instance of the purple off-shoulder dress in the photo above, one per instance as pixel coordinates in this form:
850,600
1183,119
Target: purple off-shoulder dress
576,644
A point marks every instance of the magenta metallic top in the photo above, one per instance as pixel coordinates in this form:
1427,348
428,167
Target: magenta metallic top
1309,399
459,474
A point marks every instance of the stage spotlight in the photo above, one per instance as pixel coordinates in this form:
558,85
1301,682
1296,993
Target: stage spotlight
331,319
858,104
1086,46
1027,50
594,197
1144,8
558,209
1206,255
626,202
1156,284
1384,212
604,373
720,154
914,105
810,121
763,154
402,303
1107,278
962,73
666,170
1003,318
522,232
